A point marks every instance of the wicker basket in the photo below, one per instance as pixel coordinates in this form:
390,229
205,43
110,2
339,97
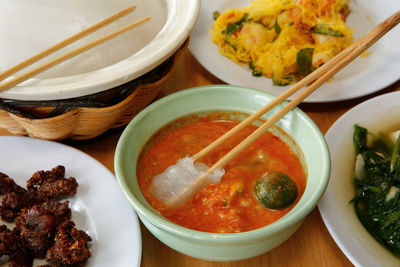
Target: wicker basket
56,120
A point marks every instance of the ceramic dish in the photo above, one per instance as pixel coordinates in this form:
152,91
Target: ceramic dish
98,208
214,246
339,216
363,76
32,28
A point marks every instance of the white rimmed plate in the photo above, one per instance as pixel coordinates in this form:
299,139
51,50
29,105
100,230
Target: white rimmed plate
363,76
376,114
28,27
99,207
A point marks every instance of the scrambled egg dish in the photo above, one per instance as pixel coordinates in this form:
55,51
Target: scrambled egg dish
283,39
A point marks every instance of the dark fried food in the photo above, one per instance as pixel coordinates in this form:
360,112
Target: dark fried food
20,259
60,210
15,199
70,246
9,245
8,241
43,226
60,188
36,226
12,203
46,185
7,185
45,177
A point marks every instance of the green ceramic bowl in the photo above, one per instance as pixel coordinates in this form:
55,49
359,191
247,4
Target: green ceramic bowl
211,246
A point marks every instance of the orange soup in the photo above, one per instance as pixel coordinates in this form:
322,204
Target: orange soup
228,206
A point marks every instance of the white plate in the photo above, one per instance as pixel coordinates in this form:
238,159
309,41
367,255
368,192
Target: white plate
361,77
99,207
28,27
376,114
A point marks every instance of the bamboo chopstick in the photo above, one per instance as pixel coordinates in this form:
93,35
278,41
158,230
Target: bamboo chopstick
65,42
9,84
320,76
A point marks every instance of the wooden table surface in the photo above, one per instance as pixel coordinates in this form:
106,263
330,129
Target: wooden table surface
311,245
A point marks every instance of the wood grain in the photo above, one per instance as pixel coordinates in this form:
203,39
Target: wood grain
311,245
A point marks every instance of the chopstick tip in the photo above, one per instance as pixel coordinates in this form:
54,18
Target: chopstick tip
131,8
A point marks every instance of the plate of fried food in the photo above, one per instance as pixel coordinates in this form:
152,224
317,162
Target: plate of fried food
271,44
60,207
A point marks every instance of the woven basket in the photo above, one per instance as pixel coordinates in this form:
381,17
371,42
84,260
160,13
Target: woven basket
45,121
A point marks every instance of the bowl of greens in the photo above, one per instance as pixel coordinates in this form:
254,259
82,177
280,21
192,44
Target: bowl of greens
361,206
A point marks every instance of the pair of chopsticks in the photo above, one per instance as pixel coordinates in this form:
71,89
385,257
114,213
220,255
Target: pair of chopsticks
315,79
11,83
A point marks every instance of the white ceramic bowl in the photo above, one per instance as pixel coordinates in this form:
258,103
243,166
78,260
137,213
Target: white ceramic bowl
28,27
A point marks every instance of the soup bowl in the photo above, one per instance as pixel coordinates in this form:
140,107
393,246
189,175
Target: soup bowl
221,246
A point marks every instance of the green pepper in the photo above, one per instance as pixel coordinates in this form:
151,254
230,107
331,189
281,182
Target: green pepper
304,61
326,30
288,79
233,27
255,72
215,15
277,27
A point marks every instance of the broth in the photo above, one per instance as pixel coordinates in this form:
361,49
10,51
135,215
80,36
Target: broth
228,206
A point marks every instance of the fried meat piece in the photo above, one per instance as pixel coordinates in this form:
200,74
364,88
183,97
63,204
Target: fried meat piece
47,185
20,259
36,226
8,185
8,241
45,177
60,210
12,204
70,246
57,189
43,225
16,198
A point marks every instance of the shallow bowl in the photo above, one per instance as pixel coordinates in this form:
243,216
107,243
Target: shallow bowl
378,114
33,27
214,246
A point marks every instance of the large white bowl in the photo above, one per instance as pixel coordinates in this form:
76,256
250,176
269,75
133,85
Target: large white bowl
28,27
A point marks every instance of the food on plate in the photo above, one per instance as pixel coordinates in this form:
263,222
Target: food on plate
228,206
283,40
377,182
70,246
43,226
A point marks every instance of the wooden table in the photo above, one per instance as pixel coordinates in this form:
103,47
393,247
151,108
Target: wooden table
311,245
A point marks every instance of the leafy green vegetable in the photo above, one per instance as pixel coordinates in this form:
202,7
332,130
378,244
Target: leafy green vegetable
215,15
360,139
383,145
275,190
251,65
233,27
395,161
260,23
230,44
376,202
304,61
326,30
255,72
277,27
288,79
